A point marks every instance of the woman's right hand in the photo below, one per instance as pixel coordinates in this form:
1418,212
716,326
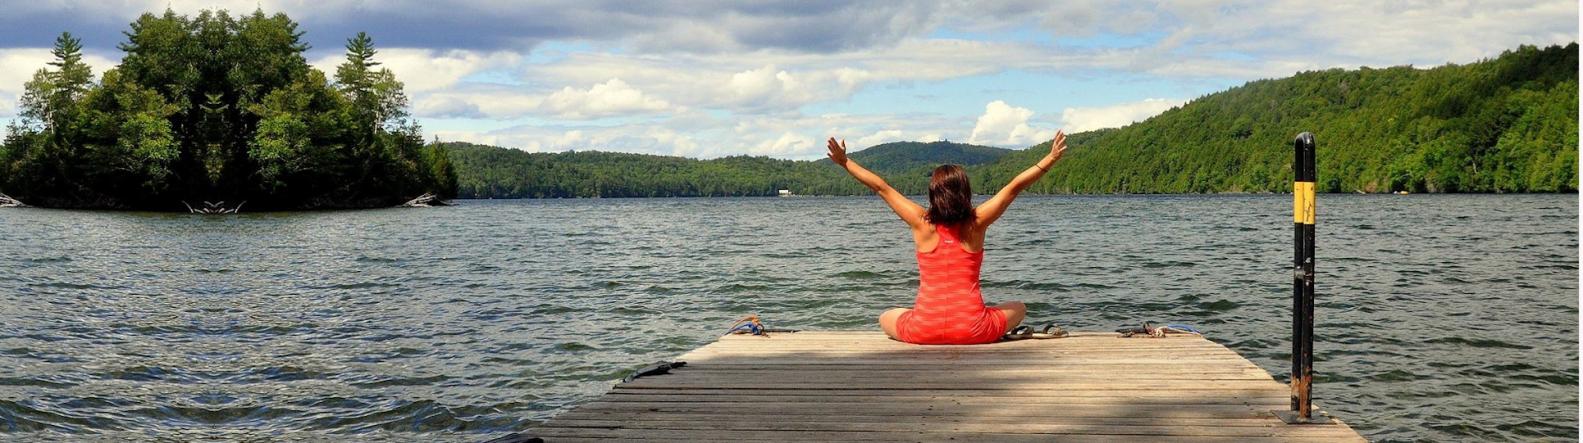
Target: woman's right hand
837,152
1057,146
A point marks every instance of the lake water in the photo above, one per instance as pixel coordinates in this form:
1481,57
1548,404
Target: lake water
1439,317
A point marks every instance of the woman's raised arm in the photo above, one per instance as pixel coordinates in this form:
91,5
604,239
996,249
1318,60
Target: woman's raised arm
991,209
909,211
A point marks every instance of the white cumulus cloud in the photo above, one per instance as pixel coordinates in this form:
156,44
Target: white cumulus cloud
1087,119
1006,125
760,84
613,97
422,70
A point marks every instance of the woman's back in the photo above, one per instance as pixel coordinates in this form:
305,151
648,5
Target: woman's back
950,267
950,305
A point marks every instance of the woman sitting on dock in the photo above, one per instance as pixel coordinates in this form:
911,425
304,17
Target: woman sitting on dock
949,239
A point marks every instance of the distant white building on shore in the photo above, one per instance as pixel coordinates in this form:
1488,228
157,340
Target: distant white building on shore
784,193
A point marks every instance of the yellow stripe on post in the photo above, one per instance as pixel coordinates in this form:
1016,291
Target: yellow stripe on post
1303,202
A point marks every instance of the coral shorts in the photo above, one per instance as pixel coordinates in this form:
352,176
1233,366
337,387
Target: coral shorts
986,326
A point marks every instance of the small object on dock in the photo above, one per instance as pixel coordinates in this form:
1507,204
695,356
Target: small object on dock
862,385
750,325
1027,332
1051,331
747,325
516,438
1150,330
663,367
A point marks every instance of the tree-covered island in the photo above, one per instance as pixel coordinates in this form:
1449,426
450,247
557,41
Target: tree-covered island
218,108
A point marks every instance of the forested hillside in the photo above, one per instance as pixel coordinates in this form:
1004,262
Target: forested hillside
1502,125
217,108
493,172
900,156
487,171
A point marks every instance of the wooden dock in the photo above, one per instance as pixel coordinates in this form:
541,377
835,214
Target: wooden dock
862,386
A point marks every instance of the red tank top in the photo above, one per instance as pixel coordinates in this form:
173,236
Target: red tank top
950,307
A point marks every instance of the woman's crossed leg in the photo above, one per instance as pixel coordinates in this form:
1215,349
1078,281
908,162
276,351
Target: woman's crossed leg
1015,311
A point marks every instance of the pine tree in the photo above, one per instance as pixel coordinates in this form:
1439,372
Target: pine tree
72,76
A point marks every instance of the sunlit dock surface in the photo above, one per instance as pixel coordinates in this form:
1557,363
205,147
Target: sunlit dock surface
862,386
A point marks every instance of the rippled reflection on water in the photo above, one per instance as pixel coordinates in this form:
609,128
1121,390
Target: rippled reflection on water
1440,317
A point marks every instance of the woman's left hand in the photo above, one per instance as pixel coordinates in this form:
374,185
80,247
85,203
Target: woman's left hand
837,152
1058,146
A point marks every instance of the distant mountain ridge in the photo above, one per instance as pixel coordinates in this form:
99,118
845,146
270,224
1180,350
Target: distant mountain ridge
1507,124
495,172
901,156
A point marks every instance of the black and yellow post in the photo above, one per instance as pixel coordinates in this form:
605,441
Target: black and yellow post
1303,286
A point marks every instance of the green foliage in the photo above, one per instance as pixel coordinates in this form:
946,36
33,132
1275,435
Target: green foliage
217,108
901,156
278,147
1502,125
492,172
438,157
376,96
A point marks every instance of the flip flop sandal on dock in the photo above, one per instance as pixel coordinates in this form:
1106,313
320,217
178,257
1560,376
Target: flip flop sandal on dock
1147,330
1026,332
1050,331
1019,333
1150,330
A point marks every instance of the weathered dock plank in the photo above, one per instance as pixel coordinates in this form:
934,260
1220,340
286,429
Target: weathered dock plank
862,386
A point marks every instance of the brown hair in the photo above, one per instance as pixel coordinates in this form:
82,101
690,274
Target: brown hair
950,196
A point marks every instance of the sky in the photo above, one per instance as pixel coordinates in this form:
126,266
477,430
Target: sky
709,78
